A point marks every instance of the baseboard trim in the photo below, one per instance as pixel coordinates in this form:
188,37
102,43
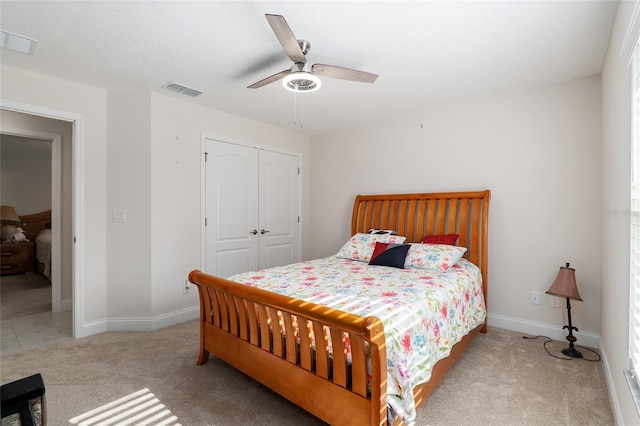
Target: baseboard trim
91,328
66,305
590,340
154,323
613,396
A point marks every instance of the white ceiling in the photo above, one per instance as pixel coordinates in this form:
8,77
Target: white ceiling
424,52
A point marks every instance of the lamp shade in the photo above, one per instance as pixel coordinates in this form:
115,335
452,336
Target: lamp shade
8,215
565,284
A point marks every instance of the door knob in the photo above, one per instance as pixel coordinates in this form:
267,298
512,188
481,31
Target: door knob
262,231
254,232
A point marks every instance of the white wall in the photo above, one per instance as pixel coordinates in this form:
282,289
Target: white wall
176,137
616,178
538,151
129,188
25,173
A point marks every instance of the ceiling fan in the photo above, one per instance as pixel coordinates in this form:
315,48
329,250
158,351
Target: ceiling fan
300,77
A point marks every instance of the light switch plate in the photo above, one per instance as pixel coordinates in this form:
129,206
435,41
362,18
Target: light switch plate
119,215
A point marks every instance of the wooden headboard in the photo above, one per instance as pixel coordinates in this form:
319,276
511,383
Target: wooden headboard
417,215
33,223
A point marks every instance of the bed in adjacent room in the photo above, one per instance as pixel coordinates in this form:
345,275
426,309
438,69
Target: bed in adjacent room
365,335
37,228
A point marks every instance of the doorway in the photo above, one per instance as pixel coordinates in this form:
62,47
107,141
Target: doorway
19,121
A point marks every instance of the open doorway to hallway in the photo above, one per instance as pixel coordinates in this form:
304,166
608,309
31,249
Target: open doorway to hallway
32,184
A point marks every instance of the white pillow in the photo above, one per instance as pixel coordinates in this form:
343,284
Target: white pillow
360,246
436,257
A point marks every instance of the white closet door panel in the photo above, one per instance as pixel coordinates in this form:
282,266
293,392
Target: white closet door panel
231,262
279,209
231,208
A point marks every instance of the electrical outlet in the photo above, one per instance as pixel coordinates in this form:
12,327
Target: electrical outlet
535,297
187,287
555,302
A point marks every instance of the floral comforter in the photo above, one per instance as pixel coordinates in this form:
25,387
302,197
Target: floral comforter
424,312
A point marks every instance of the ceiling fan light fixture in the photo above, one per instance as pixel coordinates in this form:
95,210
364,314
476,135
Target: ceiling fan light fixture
301,82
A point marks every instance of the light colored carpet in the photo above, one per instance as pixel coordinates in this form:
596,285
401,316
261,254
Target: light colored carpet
502,379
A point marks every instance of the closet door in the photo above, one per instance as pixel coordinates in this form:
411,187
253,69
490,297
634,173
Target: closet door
252,208
279,209
231,230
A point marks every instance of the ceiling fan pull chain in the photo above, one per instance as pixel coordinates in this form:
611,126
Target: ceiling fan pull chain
301,109
295,109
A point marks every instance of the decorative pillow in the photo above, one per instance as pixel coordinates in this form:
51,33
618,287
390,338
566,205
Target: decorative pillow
383,231
436,257
450,239
388,254
360,246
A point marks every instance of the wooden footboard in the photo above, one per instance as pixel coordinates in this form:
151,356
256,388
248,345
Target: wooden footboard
236,325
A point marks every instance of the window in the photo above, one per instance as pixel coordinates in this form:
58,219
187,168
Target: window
633,376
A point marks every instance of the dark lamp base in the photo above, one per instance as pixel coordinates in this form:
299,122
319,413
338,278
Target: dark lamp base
573,353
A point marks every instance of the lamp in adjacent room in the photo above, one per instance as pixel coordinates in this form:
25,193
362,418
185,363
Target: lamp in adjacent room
565,286
8,219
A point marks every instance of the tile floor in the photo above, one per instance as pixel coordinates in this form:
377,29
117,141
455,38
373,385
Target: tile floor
22,332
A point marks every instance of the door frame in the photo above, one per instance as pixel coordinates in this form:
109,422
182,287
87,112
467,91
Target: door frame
77,199
203,192
56,194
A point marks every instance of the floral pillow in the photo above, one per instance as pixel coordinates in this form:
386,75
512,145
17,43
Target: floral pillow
360,246
436,257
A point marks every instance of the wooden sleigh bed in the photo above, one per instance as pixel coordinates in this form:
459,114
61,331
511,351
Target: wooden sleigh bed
236,319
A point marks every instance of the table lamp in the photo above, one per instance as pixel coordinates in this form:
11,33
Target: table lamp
8,219
565,286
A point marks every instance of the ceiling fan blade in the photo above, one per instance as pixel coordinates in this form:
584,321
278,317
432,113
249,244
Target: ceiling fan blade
343,73
270,79
286,38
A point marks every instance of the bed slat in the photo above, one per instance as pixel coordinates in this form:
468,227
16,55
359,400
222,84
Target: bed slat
265,334
276,332
339,358
254,338
305,344
289,338
420,229
233,315
224,311
462,240
242,318
359,371
322,355
474,245
430,217
451,217
442,208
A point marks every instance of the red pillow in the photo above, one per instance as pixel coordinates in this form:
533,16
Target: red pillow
449,239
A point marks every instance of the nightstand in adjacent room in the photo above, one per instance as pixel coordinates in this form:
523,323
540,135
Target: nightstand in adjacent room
16,258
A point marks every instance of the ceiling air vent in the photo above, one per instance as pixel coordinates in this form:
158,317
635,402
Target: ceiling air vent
181,88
